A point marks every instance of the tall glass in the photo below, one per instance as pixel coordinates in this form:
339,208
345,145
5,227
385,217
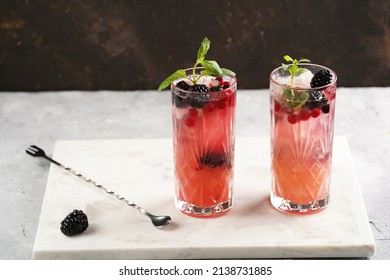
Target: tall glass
302,120
203,145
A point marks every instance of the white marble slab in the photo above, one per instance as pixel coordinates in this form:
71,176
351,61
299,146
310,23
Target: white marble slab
142,171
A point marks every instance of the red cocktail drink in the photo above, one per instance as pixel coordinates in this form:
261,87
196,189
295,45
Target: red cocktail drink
203,142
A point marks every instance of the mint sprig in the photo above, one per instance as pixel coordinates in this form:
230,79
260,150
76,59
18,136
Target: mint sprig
294,98
294,67
211,68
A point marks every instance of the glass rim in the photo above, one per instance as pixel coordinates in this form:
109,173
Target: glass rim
305,88
232,85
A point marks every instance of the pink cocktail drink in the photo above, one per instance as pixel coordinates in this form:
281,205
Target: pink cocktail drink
203,142
302,118
203,114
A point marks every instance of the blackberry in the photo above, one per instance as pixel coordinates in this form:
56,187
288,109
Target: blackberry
321,78
315,95
213,160
316,99
75,223
325,109
183,85
178,101
200,96
216,88
199,88
198,100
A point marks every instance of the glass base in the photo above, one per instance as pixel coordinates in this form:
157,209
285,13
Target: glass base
286,206
204,212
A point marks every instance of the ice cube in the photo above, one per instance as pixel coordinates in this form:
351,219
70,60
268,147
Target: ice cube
303,80
284,80
205,80
300,81
180,113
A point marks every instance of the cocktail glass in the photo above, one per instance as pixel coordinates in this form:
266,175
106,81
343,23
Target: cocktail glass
302,121
203,145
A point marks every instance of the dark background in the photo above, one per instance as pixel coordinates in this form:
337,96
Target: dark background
129,45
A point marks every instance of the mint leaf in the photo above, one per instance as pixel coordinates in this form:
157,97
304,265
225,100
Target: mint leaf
303,60
288,94
285,67
294,98
211,68
293,104
227,72
178,74
287,58
203,49
303,96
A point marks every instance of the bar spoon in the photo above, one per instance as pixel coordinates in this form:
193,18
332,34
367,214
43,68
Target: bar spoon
158,221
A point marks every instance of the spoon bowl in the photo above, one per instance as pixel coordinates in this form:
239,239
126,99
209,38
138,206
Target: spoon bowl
160,221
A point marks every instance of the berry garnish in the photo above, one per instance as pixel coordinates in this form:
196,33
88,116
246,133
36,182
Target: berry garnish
225,84
277,107
198,100
183,85
315,95
321,78
213,160
178,101
211,68
301,104
315,112
199,88
220,80
74,223
216,88
293,118
190,122
315,99
325,109
304,115
193,112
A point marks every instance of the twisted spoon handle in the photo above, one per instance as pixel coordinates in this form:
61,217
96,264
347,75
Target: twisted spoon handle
110,192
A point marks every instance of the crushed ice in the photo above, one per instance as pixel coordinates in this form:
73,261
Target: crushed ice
300,81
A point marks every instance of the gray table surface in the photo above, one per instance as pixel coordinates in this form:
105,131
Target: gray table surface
362,114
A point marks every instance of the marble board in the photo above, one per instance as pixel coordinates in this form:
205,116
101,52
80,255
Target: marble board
142,171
